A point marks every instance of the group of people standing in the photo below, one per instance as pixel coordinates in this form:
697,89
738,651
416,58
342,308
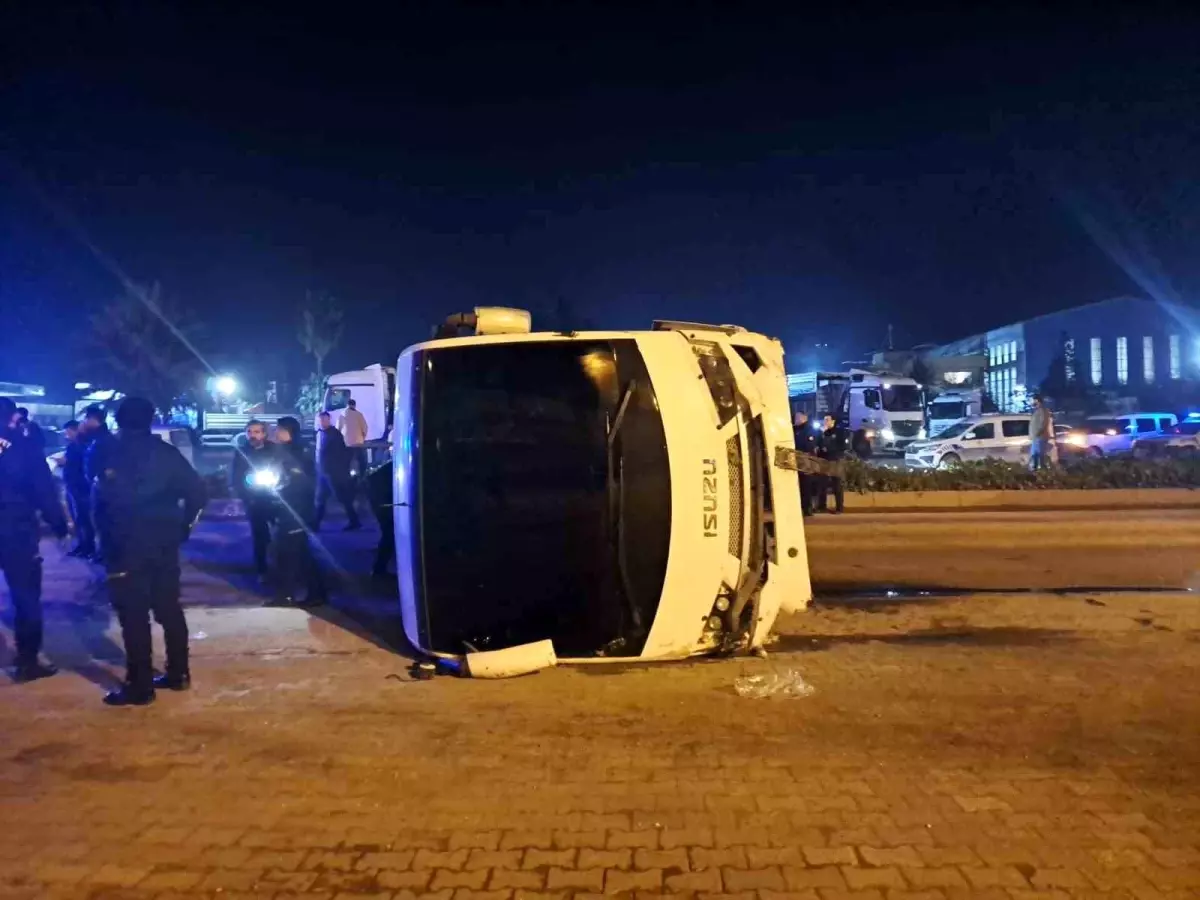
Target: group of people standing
135,499
141,503
828,441
286,489
88,443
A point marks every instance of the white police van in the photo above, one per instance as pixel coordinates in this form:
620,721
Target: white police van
997,436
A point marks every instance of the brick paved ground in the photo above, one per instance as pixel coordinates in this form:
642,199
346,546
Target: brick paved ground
995,747
1006,747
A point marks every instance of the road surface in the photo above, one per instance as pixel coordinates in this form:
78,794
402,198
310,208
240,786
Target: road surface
1006,746
1006,550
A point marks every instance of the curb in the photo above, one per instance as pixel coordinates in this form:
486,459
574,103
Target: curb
1133,498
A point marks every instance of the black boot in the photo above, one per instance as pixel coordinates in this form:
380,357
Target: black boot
129,695
170,682
30,670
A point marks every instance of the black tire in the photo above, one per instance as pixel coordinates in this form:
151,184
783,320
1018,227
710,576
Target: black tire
949,461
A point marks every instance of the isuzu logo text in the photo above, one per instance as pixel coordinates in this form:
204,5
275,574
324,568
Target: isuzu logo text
710,498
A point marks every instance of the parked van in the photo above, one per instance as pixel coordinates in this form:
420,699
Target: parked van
979,437
1115,435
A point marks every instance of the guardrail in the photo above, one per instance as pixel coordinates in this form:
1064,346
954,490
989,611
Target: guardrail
220,428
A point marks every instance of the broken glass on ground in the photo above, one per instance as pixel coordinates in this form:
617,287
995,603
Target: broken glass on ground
785,683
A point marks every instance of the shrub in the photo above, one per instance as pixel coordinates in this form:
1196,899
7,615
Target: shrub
998,475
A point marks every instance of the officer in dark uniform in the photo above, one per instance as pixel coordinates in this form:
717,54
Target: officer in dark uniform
147,499
26,488
294,558
379,491
806,442
32,429
100,441
834,444
79,492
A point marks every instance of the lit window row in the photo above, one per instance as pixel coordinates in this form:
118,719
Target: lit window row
1002,354
1174,351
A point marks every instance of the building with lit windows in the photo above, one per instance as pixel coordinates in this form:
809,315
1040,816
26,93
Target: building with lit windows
1125,347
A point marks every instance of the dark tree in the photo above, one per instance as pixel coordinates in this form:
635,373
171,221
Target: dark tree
143,344
320,329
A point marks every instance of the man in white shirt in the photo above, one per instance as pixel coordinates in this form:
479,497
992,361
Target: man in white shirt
353,426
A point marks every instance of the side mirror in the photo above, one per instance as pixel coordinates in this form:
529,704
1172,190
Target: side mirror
968,436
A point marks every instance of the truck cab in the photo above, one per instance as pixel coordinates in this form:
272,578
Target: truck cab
883,413
612,492
372,390
950,407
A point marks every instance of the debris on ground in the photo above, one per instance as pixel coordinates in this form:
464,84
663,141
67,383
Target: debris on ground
786,683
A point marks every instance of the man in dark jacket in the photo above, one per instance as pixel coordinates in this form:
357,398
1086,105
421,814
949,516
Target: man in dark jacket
147,499
95,460
79,492
333,472
806,442
26,489
834,444
31,429
379,491
296,563
258,456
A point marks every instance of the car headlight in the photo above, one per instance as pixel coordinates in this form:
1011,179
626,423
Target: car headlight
887,434
1077,440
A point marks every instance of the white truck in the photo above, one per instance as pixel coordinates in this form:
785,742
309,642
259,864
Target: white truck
884,413
373,392
950,407
593,496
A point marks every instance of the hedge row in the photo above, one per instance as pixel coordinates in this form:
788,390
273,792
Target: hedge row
997,475
986,475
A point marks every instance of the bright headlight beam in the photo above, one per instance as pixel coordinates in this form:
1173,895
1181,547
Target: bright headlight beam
265,478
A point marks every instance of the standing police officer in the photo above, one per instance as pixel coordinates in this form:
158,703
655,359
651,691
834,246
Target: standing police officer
100,441
806,442
833,446
379,490
294,557
26,488
138,512
79,492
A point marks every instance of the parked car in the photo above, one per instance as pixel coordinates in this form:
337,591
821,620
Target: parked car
1115,435
996,436
1183,439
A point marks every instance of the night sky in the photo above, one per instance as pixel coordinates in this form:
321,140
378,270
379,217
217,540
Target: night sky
817,177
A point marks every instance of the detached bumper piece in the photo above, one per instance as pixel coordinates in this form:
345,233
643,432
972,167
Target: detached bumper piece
511,662
794,461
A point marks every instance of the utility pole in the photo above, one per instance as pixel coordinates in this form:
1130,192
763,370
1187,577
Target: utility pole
890,343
